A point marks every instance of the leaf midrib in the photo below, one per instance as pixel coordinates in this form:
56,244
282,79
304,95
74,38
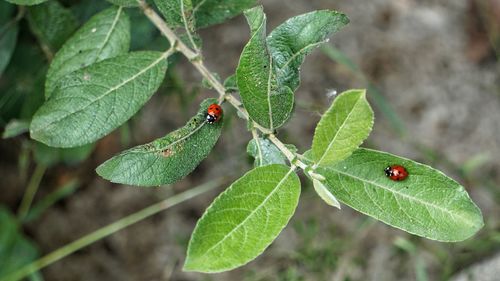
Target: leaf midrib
299,52
340,129
249,215
108,35
269,77
411,198
172,143
162,57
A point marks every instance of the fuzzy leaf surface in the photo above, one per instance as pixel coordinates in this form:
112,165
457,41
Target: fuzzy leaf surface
291,41
172,11
104,36
201,13
345,125
244,220
266,101
427,203
168,159
93,101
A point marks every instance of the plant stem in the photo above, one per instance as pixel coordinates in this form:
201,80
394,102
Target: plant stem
292,157
196,59
110,229
31,190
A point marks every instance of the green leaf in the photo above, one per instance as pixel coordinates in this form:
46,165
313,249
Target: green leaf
230,84
341,130
15,249
91,102
244,220
168,159
104,36
125,3
15,127
26,2
265,152
211,12
290,42
52,24
177,12
8,40
266,101
268,71
427,203
325,194
201,13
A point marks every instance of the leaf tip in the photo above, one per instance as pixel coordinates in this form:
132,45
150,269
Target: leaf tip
344,19
256,9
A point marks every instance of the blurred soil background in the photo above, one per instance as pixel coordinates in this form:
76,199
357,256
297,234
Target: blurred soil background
433,77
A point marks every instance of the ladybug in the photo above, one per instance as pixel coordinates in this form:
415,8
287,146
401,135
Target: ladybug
396,172
214,113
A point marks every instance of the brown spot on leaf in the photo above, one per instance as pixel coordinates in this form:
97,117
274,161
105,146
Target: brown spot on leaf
167,152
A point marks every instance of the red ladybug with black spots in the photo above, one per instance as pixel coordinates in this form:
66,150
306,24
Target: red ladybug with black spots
396,172
214,113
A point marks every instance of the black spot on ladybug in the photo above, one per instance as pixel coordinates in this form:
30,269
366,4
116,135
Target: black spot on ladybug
396,172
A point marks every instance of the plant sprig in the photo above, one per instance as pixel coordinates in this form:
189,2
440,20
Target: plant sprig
94,85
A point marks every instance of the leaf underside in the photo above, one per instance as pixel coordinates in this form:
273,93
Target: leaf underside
265,152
